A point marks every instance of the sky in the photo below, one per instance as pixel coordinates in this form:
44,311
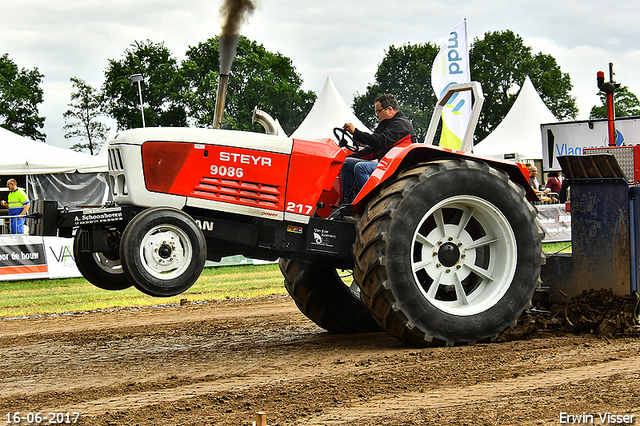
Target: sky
343,39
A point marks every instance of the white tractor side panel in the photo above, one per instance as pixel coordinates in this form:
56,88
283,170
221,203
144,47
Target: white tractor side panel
234,208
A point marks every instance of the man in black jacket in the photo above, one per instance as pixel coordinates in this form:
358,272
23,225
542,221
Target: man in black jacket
394,129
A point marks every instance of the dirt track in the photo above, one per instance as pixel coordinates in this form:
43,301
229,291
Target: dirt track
218,363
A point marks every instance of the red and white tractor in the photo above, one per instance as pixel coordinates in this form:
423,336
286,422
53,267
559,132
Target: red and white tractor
446,249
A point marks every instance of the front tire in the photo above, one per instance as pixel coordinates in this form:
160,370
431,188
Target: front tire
322,296
163,251
449,252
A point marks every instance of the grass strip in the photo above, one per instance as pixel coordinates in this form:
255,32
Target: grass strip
36,297
564,247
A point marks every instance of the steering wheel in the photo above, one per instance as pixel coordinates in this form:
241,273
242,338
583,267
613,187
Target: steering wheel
345,140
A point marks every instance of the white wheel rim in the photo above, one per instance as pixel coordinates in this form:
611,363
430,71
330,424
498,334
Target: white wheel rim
165,252
464,255
107,265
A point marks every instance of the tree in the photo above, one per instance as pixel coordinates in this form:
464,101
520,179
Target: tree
20,94
625,104
501,62
81,121
162,87
552,85
257,78
404,72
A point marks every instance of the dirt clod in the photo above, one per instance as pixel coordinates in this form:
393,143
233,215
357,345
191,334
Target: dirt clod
597,312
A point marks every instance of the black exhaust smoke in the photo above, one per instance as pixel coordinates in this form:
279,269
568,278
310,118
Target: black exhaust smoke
234,12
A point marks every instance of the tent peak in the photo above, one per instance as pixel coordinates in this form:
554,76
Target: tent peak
519,132
329,111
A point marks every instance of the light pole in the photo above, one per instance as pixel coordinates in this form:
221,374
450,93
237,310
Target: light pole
137,78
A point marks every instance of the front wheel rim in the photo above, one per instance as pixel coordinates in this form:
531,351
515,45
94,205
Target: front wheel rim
165,252
464,255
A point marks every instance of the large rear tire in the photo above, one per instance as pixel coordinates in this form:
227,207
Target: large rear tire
325,299
103,270
163,251
449,252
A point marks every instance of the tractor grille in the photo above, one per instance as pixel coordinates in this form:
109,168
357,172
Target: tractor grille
117,180
247,193
115,159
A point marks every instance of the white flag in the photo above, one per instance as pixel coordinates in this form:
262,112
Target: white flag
451,66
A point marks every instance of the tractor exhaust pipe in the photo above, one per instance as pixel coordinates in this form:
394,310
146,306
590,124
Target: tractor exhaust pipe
223,82
265,120
233,13
228,44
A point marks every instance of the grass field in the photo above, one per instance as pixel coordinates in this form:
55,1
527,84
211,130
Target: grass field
20,298
557,247
23,298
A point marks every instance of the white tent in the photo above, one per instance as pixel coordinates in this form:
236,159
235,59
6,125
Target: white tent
54,173
518,136
23,156
329,111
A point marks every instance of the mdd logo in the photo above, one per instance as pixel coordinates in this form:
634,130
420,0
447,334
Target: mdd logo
455,109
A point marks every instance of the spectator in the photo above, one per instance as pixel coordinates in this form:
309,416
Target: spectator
554,182
18,205
533,180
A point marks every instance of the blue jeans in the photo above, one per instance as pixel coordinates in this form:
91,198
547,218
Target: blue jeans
16,223
355,173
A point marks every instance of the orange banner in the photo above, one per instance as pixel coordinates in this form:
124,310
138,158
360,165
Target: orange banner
28,269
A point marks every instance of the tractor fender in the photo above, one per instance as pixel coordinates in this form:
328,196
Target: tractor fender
399,158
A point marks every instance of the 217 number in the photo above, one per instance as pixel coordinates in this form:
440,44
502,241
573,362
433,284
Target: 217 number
299,208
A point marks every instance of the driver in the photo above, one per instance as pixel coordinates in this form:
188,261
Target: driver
394,129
